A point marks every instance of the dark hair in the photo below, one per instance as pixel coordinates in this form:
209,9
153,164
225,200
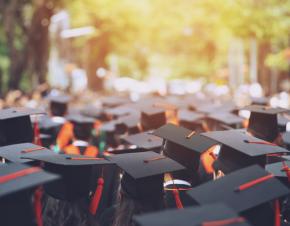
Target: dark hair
64,213
128,207
82,131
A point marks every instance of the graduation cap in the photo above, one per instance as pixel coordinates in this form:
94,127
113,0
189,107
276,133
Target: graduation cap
281,170
152,118
263,121
59,104
17,184
94,112
226,118
16,125
144,173
246,191
263,101
114,101
18,153
217,214
77,173
185,147
189,119
82,126
145,141
129,124
240,150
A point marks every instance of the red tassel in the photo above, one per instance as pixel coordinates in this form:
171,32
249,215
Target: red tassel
177,199
37,139
97,196
254,182
287,170
38,206
277,213
224,222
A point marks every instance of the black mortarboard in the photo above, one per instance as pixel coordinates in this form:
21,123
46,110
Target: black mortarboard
263,122
59,104
114,101
119,111
145,141
216,214
94,112
240,150
17,183
76,171
152,118
263,101
16,125
19,152
189,119
49,126
245,191
227,119
82,126
144,173
280,170
183,146
129,124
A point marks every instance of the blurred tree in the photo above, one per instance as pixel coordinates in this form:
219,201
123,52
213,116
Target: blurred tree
25,30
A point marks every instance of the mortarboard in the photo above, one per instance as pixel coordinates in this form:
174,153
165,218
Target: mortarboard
217,214
226,118
263,122
145,141
240,150
17,184
152,118
189,119
18,153
183,145
263,101
94,112
280,170
245,191
114,101
144,173
76,171
16,125
59,104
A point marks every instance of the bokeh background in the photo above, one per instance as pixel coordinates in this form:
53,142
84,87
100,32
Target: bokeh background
145,44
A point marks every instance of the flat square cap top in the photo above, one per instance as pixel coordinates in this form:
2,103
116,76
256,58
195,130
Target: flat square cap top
189,116
152,111
144,140
60,99
193,216
265,110
22,152
70,160
244,143
234,192
180,136
17,177
10,113
145,164
278,168
80,119
226,118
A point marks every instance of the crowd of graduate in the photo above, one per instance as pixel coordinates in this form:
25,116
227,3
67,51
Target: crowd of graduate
187,160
